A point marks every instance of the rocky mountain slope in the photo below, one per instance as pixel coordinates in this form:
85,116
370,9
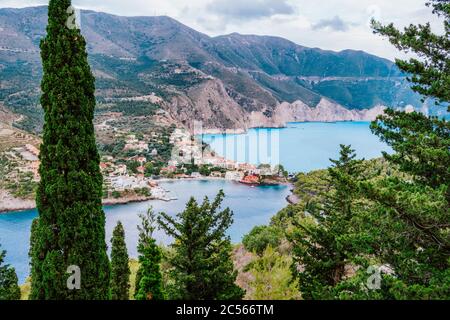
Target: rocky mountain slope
229,82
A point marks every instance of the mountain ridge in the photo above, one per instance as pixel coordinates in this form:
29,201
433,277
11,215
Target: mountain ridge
230,81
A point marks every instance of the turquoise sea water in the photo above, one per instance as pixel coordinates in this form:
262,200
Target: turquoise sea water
300,147
251,206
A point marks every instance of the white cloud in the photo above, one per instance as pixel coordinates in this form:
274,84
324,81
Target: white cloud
250,9
334,24
331,24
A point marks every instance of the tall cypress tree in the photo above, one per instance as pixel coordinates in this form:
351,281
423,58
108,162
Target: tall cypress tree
120,269
149,284
202,265
9,288
70,228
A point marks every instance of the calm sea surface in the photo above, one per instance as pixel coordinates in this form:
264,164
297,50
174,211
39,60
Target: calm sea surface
251,207
300,147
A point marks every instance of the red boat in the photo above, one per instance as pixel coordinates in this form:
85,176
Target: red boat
251,180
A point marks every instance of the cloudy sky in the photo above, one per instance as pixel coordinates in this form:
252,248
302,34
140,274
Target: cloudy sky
331,24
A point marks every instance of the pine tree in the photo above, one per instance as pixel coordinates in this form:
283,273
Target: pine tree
70,228
120,269
413,211
327,238
9,288
421,145
202,265
149,284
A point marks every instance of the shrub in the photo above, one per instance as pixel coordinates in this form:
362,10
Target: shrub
261,237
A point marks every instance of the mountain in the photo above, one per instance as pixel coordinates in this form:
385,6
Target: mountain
156,65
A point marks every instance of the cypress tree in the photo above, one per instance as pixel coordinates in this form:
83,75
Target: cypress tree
9,288
202,265
70,227
120,269
149,284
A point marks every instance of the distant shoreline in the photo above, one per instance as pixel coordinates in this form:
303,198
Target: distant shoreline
25,205
241,131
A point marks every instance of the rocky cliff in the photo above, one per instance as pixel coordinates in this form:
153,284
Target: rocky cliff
228,82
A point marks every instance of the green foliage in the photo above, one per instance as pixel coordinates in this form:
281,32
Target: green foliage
410,220
134,108
9,288
132,166
205,170
70,228
328,237
281,171
261,237
23,186
114,148
149,278
149,169
145,192
120,270
272,277
202,268
421,145
371,92
431,70
414,213
189,168
396,217
116,194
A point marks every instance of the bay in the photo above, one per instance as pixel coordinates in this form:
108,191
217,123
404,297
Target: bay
251,207
300,147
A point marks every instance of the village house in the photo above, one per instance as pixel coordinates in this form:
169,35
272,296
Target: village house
123,183
246,167
108,158
104,165
121,169
266,171
139,159
234,175
208,160
230,165
169,169
32,149
173,163
131,139
142,146
134,144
